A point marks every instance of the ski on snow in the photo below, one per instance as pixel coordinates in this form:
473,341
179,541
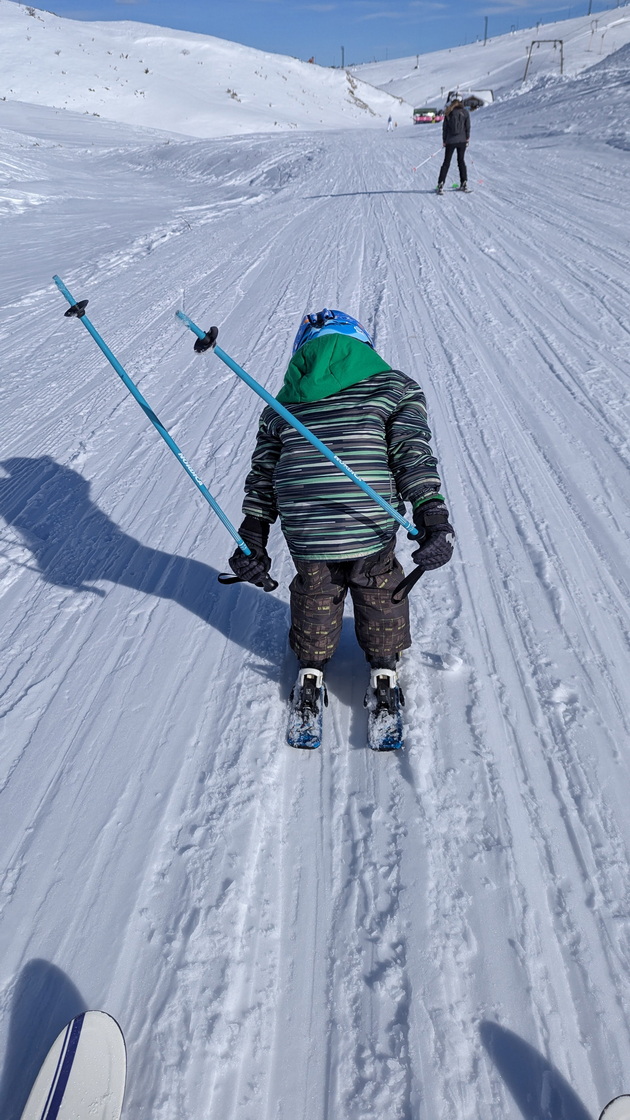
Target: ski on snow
306,703
384,700
83,1075
455,189
617,1109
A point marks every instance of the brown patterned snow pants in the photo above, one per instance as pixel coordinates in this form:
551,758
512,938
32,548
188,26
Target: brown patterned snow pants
318,592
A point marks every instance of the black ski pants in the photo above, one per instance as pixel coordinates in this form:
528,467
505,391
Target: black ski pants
318,592
461,163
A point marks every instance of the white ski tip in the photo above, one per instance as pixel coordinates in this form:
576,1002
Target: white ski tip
83,1075
617,1109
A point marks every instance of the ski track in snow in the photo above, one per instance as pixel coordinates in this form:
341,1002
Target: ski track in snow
288,935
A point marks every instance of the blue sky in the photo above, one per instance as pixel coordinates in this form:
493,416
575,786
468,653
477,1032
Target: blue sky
366,29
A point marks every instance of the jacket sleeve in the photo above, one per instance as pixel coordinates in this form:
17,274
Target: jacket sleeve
411,460
260,499
467,125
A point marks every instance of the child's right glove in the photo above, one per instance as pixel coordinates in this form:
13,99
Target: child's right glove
435,535
255,568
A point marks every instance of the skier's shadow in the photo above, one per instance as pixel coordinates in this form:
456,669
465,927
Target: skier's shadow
538,1088
357,194
74,545
43,1002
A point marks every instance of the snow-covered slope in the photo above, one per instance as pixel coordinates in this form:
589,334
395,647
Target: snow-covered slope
197,85
338,935
500,64
594,105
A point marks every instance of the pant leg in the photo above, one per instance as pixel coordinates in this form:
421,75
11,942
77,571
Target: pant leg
317,592
461,164
382,627
448,155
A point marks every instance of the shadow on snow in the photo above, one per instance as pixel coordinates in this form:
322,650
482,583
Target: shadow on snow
538,1088
44,1001
74,545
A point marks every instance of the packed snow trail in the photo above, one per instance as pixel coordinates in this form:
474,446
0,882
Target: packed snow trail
282,935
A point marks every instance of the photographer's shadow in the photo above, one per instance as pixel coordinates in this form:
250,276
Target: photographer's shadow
537,1087
44,1001
74,545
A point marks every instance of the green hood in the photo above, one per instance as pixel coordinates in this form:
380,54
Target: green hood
326,366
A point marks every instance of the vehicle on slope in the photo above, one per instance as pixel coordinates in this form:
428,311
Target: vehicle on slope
428,116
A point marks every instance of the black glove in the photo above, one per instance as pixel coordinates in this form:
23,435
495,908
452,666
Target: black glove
254,568
435,535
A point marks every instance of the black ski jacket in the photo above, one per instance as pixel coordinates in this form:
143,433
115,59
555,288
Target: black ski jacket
456,126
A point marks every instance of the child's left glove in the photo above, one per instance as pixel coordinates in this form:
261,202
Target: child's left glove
435,535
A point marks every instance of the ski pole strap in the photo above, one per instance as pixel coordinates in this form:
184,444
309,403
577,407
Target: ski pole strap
208,338
78,310
404,587
268,585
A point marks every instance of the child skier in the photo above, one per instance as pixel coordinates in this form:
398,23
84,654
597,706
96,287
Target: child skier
374,418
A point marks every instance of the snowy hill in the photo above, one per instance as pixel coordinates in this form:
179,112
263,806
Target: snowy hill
500,64
197,85
337,935
201,86
593,105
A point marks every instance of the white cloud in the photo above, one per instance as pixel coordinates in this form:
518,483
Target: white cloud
386,14
504,7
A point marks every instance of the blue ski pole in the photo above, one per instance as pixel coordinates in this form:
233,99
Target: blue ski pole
78,310
208,341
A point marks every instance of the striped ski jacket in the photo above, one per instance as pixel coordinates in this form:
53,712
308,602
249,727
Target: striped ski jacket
374,418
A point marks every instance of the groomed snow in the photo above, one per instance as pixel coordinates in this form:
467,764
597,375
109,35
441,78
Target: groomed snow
289,936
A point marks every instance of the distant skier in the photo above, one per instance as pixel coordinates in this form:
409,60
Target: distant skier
374,418
390,124
455,137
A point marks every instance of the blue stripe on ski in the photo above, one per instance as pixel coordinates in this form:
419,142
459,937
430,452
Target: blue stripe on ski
64,1069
